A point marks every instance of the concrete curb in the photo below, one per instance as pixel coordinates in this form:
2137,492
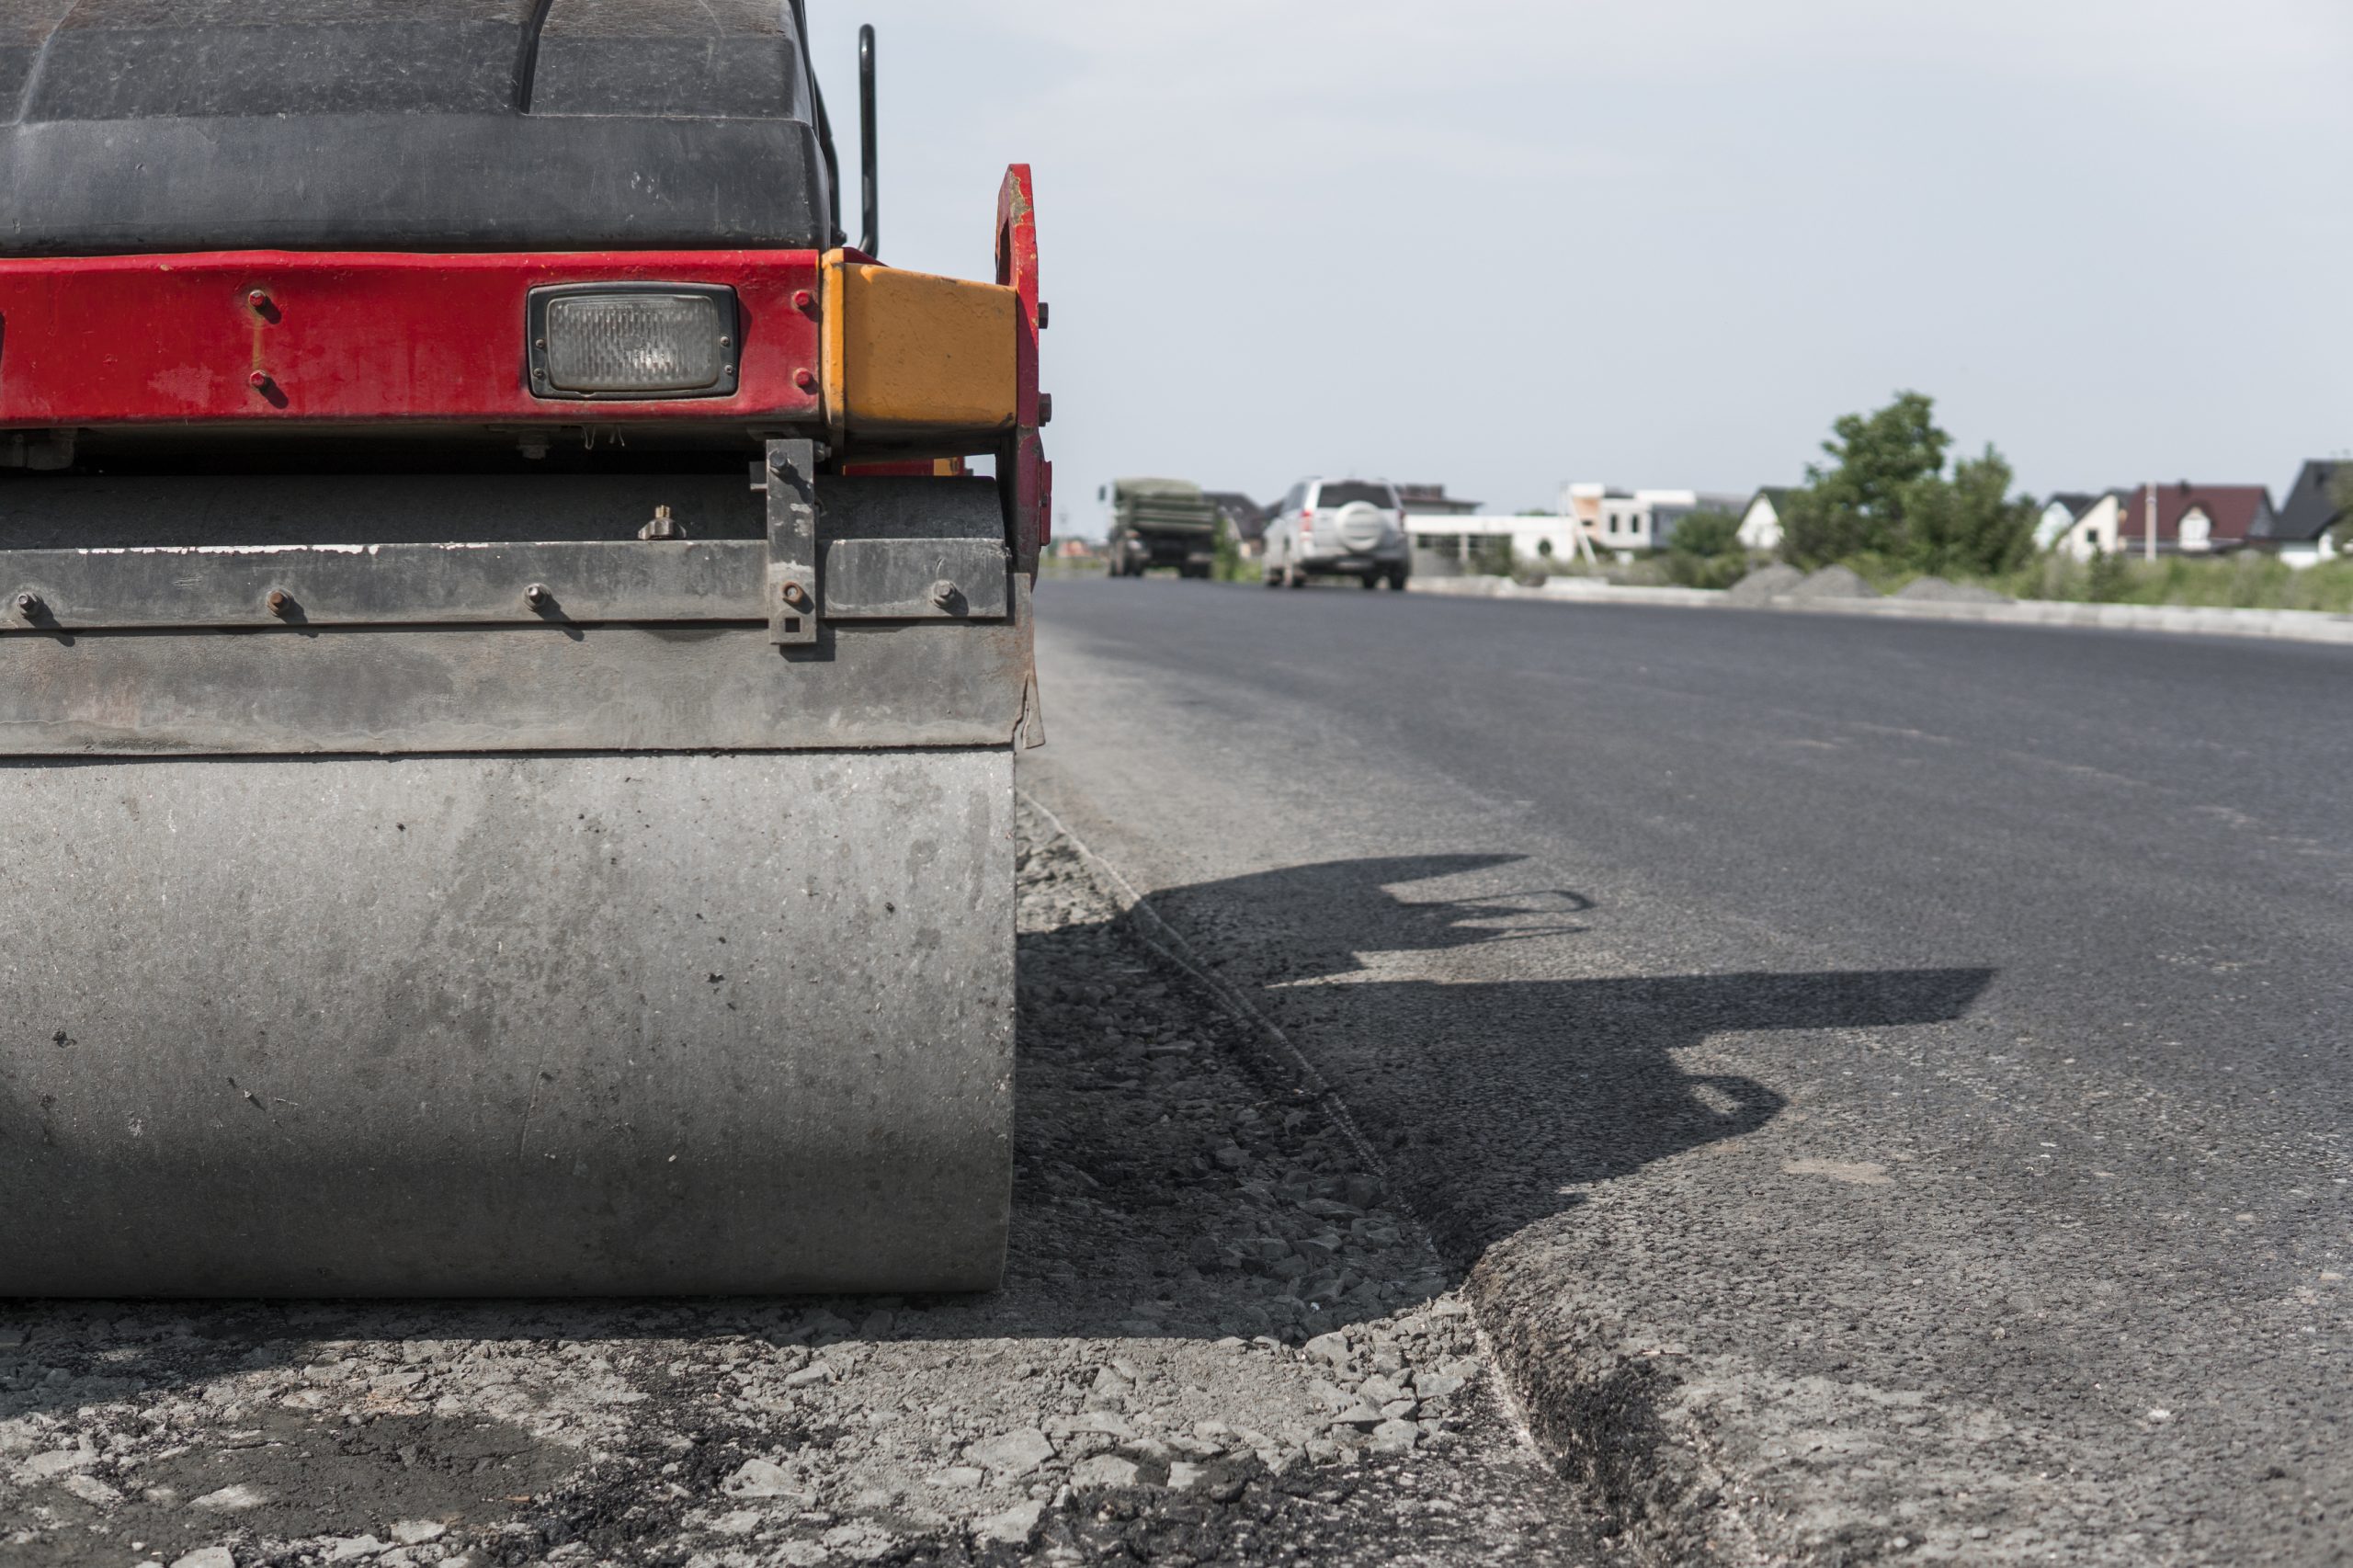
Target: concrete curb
2281,625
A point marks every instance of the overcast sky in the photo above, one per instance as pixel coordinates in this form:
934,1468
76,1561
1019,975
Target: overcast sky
1506,244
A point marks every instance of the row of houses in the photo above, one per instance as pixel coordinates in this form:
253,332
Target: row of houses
2188,518
2202,519
1626,521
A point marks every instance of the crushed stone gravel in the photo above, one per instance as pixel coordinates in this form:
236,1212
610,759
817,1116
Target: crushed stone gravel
1220,1341
1938,590
1765,581
1833,582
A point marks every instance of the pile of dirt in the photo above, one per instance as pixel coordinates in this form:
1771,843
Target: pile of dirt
1765,583
1833,582
1936,590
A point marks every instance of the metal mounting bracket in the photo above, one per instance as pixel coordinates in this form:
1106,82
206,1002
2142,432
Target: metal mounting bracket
792,593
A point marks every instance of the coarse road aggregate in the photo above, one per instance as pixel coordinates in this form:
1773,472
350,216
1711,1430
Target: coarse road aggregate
1883,1087
1220,1341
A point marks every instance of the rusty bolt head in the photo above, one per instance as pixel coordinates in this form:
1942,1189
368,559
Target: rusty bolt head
796,595
536,596
280,601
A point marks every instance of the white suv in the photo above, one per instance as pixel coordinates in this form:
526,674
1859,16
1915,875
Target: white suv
1339,527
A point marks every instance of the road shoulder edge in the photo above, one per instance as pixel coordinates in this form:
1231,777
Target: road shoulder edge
2276,625
1603,1427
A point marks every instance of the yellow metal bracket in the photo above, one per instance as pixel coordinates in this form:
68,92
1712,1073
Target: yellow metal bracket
917,363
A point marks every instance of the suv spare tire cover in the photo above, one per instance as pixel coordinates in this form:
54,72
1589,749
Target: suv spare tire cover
1363,525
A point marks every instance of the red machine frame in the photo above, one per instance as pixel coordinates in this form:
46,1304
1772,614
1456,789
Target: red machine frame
359,336
374,338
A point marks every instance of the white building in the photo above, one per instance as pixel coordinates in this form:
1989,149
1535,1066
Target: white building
1631,520
2059,515
1537,539
2190,519
2304,531
1760,520
2095,529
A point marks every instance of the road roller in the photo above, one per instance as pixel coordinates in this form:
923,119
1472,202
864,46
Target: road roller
514,636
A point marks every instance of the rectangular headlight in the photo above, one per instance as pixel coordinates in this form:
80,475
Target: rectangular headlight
633,340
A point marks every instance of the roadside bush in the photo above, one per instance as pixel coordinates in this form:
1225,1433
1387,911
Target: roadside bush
1492,557
1232,566
2245,579
2104,583
1704,551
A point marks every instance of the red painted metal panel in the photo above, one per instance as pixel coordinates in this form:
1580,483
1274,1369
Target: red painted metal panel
262,336
1017,268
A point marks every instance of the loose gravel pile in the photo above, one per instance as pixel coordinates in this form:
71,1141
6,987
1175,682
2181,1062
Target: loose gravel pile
1937,590
1833,582
1765,581
1218,1342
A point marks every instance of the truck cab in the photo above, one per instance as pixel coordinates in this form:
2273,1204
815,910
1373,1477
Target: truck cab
1160,523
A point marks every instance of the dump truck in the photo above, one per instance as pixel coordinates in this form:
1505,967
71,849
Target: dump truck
1160,522
509,667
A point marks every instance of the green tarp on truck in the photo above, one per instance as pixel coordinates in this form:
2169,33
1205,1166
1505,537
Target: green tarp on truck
1161,522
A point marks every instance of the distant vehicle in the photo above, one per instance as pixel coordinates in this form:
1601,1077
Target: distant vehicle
1339,527
1160,522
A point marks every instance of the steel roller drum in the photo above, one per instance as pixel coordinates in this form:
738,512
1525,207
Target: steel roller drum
521,1025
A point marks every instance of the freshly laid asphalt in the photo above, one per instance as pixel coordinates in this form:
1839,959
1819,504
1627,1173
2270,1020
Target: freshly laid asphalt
1887,1086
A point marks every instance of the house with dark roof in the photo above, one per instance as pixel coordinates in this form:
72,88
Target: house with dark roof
2303,531
1760,520
2059,515
2191,520
1432,501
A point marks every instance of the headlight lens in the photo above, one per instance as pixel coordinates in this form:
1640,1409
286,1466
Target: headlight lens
644,342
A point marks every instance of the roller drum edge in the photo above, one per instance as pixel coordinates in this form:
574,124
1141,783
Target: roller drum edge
520,1025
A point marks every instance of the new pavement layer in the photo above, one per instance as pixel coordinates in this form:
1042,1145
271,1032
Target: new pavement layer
1886,1085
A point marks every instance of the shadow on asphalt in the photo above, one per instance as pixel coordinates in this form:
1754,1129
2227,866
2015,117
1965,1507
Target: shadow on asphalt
1498,1102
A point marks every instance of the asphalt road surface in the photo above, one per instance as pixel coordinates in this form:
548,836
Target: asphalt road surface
1884,1086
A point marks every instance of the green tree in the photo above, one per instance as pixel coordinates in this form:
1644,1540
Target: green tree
1970,524
1857,503
1886,494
